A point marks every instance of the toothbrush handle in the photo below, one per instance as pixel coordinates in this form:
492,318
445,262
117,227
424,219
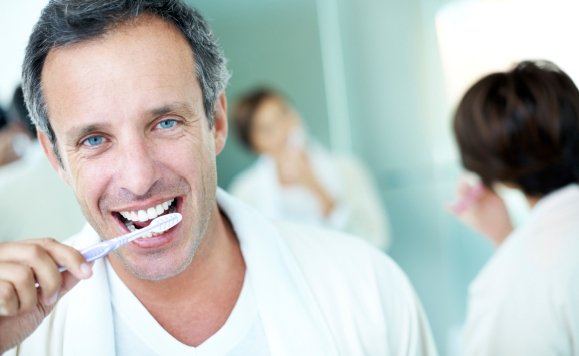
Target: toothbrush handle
94,253
97,251
103,248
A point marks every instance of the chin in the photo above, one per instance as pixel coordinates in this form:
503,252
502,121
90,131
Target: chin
159,265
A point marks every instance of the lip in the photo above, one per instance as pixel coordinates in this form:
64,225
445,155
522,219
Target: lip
143,205
153,242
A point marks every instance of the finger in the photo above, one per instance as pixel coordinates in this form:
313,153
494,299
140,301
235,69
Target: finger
22,279
44,267
66,256
68,282
8,299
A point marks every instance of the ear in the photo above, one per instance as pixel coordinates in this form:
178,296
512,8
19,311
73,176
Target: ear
220,125
51,155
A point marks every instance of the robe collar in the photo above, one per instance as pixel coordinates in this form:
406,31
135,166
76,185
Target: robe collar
292,321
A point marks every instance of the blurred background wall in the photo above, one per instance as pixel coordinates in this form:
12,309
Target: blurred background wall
368,78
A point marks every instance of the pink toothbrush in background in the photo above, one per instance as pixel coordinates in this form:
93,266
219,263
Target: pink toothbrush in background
462,204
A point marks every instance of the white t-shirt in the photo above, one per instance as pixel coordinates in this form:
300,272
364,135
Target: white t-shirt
138,333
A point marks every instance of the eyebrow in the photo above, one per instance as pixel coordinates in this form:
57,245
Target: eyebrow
176,107
77,132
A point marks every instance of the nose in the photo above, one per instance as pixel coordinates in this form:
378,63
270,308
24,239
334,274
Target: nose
137,167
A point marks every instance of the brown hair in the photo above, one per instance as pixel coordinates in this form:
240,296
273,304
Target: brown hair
521,127
244,111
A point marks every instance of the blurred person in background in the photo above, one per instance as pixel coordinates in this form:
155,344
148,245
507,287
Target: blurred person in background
296,179
3,121
5,141
29,187
15,136
521,129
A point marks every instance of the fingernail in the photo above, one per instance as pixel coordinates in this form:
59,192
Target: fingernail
3,311
85,270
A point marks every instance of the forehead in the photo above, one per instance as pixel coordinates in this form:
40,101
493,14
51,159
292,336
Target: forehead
136,66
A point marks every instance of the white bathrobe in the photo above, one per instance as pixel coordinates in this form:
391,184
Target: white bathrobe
359,209
526,299
317,293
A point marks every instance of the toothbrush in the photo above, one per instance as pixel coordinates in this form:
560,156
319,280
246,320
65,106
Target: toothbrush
469,198
101,249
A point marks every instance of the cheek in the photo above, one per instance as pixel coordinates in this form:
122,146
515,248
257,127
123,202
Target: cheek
277,139
90,180
188,157
264,141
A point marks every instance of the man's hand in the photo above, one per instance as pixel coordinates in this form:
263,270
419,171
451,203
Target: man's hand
486,213
22,264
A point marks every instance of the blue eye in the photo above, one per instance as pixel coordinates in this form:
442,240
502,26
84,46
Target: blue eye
94,141
167,124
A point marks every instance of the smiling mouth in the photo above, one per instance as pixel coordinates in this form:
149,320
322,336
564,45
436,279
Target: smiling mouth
137,219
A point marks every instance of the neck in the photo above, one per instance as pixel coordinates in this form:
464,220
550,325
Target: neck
532,200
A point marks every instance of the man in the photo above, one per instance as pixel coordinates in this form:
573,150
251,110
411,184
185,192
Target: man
129,100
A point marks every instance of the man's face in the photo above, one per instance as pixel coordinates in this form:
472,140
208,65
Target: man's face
128,115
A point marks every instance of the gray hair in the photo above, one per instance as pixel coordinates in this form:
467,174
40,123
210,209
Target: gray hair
66,22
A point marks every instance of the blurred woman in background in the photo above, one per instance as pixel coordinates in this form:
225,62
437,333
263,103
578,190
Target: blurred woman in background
16,136
521,129
296,179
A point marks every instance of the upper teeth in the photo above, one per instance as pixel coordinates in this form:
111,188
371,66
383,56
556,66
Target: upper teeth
147,214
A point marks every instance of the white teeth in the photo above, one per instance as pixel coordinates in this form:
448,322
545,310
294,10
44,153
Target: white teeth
131,226
147,214
159,209
142,215
151,213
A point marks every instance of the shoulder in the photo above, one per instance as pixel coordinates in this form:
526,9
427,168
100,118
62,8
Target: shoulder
360,291
353,170
534,255
348,260
311,240
531,283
